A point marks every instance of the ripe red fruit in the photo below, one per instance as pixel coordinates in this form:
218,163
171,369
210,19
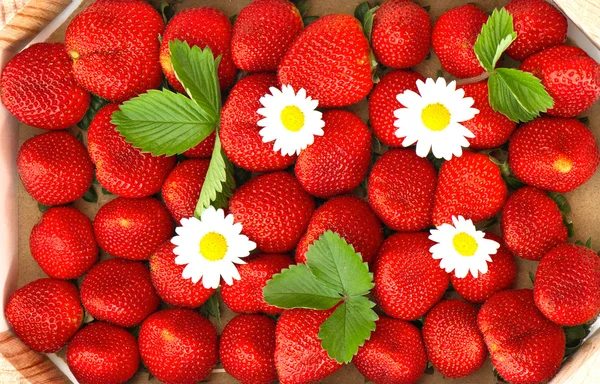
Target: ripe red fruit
393,354
54,168
246,295
38,87
338,161
247,349
102,353
453,342
554,154
525,347
45,314
203,150
262,34
408,281
182,187
178,346
330,59
119,291
401,190
63,244
274,211
567,285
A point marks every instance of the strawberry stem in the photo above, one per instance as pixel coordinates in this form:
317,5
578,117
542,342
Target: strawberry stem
472,80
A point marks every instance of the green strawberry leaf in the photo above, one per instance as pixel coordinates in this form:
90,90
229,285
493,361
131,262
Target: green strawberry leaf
365,14
308,20
302,6
96,103
496,36
166,11
91,196
211,307
561,201
43,208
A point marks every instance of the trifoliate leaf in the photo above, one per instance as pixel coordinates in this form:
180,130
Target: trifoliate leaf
96,103
495,37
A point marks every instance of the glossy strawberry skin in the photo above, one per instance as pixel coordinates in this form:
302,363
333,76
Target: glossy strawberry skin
182,187
330,59
45,314
338,161
203,150
38,87
63,243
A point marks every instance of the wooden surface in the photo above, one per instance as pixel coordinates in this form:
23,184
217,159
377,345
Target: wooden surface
585,14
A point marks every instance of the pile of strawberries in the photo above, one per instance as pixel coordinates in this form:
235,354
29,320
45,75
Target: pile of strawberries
117,49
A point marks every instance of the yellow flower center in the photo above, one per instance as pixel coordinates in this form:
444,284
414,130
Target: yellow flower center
465,244
213,246
563,164
436,117
292,118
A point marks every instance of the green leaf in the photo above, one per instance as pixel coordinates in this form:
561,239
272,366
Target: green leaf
91,196
360,10
584,120
308,20
43,208
496,36
166,11
348,328
561,201
96,103
106,191
532,277
368,22
211,307
303,6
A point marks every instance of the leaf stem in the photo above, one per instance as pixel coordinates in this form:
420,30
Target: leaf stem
472,80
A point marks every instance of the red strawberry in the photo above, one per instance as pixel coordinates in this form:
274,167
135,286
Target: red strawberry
274,211
239,130
114,45
119,291
338,161
555,154
383,103
38,87
203,150
182,187
401,36
201,27
170,286
102,353
63,244
246,295
538,25
470,186
121,168
352,219
45,314
178,346
132,228
525,347
394,353
54,168
263,32
408,281
454,35
330,59
532,224
299,357
247,349
454,344
570,76
567,285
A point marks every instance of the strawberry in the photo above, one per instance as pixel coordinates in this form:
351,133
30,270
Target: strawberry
239,131
132,228
166,279
567,285
470,186
501,275
263,32
203,150
401,190
569,75
102,353
401,35
299,356
393,354
330,59
182,187
539,25
114,45
274,211
63,244
178,346
121,168
338,161
453,37
453,342
554,154
119,291
201,27
54,168
525,347
246,295
352,219
532,224
383,103
247,349
38,87
45,314
408,281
